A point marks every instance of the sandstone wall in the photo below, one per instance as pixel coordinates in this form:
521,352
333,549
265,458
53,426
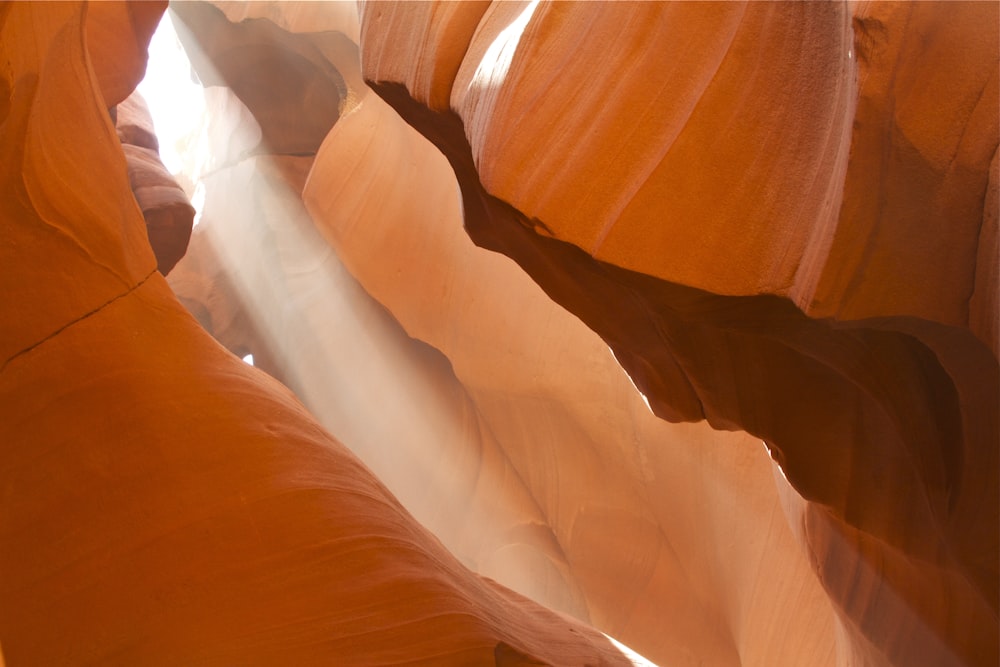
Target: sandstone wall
164,503
521,277
780,235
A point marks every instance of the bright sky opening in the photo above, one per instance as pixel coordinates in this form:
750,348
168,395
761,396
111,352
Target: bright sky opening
176,101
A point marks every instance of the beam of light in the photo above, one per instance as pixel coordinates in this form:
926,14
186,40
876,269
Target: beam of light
198,202
360,374
274,287
176,102
330,343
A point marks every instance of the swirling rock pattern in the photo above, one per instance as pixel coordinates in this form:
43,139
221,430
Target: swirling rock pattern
163,503
165,207
571,491
761,254
781,218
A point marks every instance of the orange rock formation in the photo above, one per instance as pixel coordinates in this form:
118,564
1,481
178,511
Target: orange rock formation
165,207
779,218
573,493
163,502
775,266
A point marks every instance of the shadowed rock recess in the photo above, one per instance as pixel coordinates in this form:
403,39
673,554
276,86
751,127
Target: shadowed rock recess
673,322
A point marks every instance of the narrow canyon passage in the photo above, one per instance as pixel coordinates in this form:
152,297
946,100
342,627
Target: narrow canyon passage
581,333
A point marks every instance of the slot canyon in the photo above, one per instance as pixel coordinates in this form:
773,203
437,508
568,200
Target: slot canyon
525,332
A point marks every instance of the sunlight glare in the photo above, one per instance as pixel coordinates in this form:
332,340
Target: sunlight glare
776,457
635,658
198,201
492,69
176,102
634,385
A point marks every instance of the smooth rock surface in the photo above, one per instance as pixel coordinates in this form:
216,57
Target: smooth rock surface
777,219
886,418
165,207
572,492
163,502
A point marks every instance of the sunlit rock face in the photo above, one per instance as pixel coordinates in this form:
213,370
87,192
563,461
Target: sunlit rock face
496,417
759,211
261,278
164,503
777,222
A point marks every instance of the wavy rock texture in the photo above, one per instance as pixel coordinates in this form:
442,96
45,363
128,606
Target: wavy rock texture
263,281
571,491
163,502
759,235
780,218
168,214
637,505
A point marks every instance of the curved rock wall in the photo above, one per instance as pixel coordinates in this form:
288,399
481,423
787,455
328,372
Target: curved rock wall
163,503
518,431
884,417
118,35
165,207
776,217
634,503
